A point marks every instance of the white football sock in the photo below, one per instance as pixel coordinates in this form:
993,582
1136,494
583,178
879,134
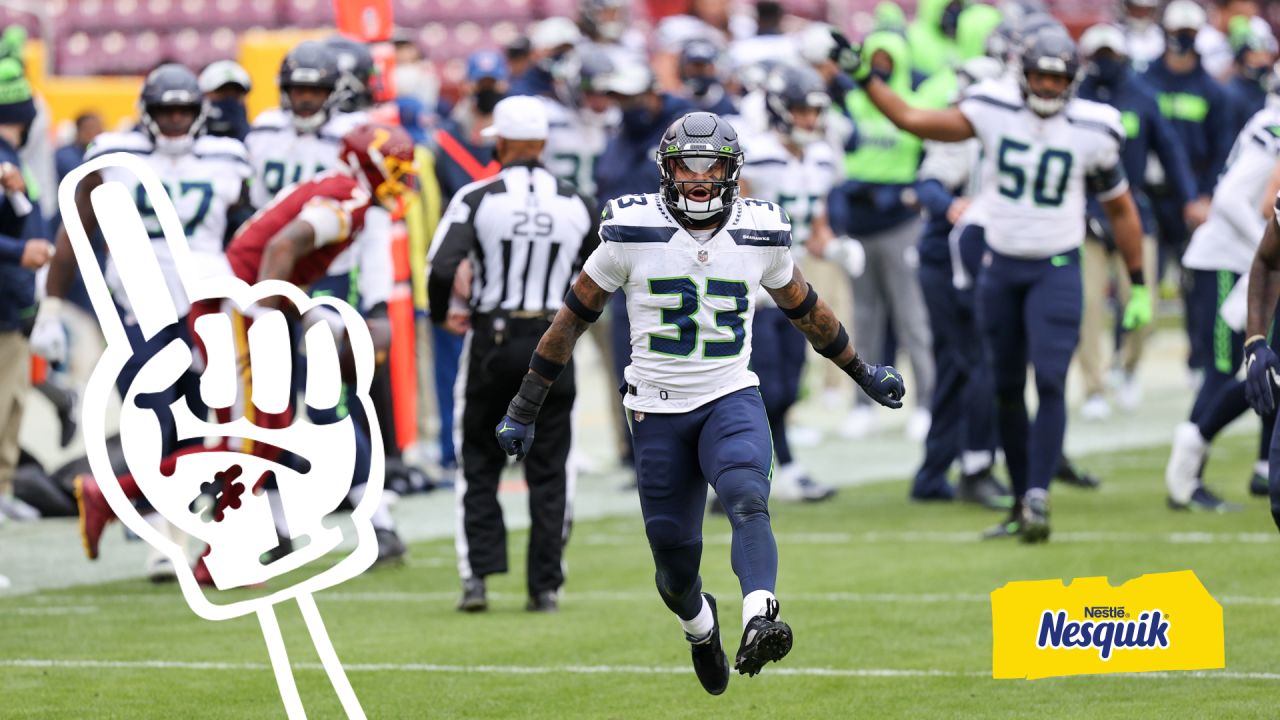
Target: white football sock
973,462
702,623
381,519
755,603
1263,468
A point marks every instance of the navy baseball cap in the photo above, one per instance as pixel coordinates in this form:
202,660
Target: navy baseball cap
487,64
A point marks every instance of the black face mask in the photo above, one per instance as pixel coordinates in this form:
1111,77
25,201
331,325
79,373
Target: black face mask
1254,74
700,85
228,118
1182,43
486,100
1108,71
950,21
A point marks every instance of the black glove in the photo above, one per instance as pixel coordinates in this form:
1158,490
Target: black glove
847,56
1261,367
882,383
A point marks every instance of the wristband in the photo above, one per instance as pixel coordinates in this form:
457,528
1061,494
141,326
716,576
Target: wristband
579,308
525,405
1136,278
837,346
804,307
548,369
856,369
1253,339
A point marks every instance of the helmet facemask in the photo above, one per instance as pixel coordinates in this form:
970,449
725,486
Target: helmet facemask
178,144
1047,105
699,185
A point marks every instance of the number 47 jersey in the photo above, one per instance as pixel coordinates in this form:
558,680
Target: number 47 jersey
1036,171
689,301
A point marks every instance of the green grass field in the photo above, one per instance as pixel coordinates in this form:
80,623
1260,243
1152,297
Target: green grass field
888,602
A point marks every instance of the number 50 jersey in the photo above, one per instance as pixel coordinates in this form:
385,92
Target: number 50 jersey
690,302
1035,170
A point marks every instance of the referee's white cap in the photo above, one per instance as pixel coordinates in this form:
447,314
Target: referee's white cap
519,117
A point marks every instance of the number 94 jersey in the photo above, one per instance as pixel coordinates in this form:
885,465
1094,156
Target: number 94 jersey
690,303
1036,171
202,183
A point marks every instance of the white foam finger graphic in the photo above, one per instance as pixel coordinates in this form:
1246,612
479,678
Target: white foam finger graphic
218,382
130,247
271,362
324,376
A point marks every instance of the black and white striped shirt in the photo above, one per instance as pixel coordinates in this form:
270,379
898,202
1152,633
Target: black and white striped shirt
527,235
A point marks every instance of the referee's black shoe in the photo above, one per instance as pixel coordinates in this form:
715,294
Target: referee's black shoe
709,661
766,639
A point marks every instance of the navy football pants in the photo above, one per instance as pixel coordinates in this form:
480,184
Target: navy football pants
777,357
724,443
1029,312
1212,339
962,405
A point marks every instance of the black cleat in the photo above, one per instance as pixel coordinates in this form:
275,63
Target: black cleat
391,548
1205,500
1259,485
982,488
766,639
473,596
709,661
1070,475
1035,520
544,602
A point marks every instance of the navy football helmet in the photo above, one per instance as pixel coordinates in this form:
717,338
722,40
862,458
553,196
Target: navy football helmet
703,143
310,64
1048,51
172,86
789,88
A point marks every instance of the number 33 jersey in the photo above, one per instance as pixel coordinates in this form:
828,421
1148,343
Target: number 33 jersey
202,183
1036,171
690,303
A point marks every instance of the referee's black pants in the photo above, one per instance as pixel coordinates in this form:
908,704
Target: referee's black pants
495,367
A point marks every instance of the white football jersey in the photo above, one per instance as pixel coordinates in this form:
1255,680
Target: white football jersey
690,303
799,185
281,156
1229,237
573,145
203,184
1036,171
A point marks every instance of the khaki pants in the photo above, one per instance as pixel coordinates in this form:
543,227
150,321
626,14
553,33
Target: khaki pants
15,380
835,288
1096,330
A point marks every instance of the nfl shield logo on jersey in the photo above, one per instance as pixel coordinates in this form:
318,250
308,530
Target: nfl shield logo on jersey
703,255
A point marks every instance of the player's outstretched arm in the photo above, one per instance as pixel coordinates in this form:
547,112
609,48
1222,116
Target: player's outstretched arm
1126,226
1261,364
582,306
814,318
945,124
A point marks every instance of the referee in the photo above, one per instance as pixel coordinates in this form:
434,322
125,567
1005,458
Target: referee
502,259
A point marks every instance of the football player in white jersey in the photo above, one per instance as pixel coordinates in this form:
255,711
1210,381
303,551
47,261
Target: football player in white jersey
690,259
792,166
1043,149
205,178
1220,253
300,139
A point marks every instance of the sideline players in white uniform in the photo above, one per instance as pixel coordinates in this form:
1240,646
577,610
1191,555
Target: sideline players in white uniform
205,178
1220,253
690,260
792,166
300,139
1043,149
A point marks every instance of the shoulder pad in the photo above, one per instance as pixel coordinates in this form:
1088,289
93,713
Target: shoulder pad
759,222
130,142
273,119
635,219
997,92
1097,116
220,147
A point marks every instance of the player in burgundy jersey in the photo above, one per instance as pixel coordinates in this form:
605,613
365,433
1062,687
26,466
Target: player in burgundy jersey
294,238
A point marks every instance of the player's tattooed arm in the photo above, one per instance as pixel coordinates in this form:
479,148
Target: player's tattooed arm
819,324
558,341
1264,282
946,125
62,268
296,239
